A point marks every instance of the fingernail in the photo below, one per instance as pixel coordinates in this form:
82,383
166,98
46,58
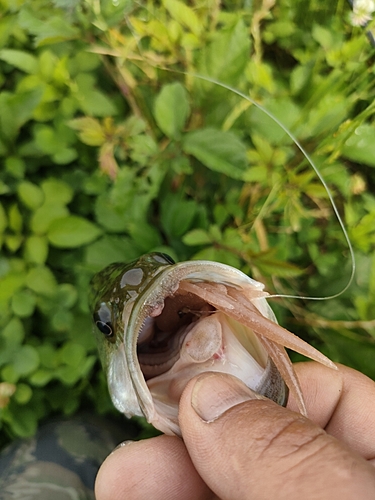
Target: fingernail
215,393
121,445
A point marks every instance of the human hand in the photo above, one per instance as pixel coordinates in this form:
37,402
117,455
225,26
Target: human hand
256,449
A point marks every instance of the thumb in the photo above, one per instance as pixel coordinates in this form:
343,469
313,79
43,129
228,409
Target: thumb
247,447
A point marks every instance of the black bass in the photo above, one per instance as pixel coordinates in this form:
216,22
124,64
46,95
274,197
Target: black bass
158,324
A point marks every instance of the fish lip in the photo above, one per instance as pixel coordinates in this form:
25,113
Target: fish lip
162,285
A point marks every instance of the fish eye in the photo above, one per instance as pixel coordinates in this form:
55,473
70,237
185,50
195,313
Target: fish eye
102,320
105,328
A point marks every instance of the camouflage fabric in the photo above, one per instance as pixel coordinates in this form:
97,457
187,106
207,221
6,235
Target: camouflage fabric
61,461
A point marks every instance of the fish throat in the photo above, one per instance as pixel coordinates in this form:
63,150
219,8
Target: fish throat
161,337
191,333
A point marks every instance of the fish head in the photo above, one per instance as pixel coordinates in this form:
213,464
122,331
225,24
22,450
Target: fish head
113,292
158,324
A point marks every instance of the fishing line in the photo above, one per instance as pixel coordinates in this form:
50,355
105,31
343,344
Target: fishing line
314,167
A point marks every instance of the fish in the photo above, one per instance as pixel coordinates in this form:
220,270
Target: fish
159,323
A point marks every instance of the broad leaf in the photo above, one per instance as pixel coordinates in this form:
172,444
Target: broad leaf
172,109
183,14
90,130
19,59
72,231
30,194
225,58
360,147
217,150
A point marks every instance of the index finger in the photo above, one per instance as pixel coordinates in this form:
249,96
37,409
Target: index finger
341,402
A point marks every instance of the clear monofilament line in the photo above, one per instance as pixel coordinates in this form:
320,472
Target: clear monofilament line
314,167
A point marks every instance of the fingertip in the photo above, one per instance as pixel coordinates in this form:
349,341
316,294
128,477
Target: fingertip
322,388
157,468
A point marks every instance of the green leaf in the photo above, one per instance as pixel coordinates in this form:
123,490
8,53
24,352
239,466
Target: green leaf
62,321
90,130
48,355
8,374
47,139
36,249
272,266
30,195
45,215
15,218
72,231
225,58
64,156
19,59
41,280
219,151
360,147
14,332
109,216
9,284
26,360
41,377
197,237
92,101
172,109
54,29
23,303
24,421
72,354
13,242
111,249
184,15
47,64
323,36
15,166
67,374
299,77
357,354
57,191
17,109
23,394
145,236
143,149
7,23
285,110
260,74
362,235
177,215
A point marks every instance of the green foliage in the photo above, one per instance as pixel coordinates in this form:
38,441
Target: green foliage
172,110
111,146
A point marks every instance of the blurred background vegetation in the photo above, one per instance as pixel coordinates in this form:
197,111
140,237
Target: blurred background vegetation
110,147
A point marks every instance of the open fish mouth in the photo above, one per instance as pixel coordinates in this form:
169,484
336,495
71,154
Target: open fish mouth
191,336
164,323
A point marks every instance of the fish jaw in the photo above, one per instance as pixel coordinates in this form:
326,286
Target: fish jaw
120,385
158,397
